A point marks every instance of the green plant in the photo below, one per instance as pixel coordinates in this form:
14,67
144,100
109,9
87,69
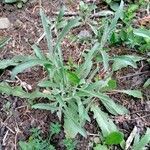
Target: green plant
36,142
141,143
74,91
55,128
129,13
18,2
69,144
135,38
116,138
126,34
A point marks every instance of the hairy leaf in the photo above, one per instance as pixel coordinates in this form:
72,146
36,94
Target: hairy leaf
34,62
47,30
134,93
142,33
124,61
105,123
110,105
45,106
38,52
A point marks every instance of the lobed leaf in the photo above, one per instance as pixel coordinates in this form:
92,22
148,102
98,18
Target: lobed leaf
28,64
134,93
123,61
46,106
105,123
110,105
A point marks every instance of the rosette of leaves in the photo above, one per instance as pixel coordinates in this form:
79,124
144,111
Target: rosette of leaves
74,91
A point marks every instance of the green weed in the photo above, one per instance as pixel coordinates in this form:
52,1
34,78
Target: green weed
36,142
73,92
117,138
19,3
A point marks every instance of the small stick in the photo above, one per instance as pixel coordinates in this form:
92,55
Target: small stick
5,136
95,15
131,137
131,75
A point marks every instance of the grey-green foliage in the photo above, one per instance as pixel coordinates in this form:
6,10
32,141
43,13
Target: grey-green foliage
141,144
36,142
72,92
18,2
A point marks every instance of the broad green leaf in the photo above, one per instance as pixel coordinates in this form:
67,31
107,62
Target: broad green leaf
6,63
83,114
15,91
38,52
47,30
19,92
72,127
134,57
114,138
147,83
3,41
48,83
14,61
134,93
100,147
105,123
10,1
34,62
109,85
110,105
45,106
142,33
143,142
73,78
112,84
84,70
123,61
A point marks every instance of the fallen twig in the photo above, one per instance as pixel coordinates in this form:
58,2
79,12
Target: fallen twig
131,137
95,15
136,74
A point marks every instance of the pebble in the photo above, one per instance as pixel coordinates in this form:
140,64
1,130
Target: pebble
4,23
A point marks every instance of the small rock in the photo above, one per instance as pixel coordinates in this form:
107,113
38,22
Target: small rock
4,23
84,34
148,105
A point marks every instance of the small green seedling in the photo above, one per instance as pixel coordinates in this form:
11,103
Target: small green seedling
36,142
70,144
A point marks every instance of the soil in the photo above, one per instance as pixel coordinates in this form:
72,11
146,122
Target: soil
17,120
